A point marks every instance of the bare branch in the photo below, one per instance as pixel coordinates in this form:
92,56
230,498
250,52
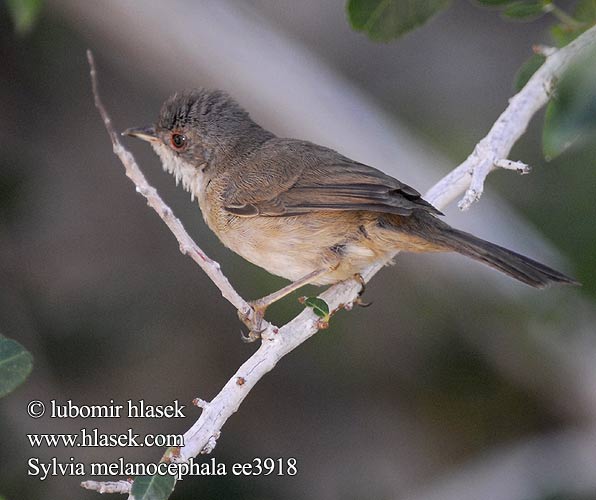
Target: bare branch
122,487
543,50
519,166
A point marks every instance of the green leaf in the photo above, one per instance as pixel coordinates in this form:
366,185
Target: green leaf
571,114
585,11
153,487
527,70
563,34
384,20
319,306
584,17
525,10
24,14
557,135
15,365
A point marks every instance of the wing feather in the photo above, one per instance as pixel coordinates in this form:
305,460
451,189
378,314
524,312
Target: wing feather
298,177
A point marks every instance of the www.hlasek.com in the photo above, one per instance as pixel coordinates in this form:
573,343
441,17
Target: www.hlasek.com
93,438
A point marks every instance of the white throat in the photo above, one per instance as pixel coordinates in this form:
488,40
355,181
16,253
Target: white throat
192,177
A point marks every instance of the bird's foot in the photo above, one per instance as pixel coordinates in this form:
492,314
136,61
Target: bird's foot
253,320
358,301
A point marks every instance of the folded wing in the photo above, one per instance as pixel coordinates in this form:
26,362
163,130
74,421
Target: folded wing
302,177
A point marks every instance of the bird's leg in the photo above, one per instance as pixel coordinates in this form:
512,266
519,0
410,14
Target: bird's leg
254,321
359,302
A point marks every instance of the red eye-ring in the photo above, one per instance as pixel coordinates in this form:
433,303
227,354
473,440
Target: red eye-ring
178,141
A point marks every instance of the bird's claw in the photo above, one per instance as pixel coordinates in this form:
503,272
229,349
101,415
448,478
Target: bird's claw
252,336
253,320
358,301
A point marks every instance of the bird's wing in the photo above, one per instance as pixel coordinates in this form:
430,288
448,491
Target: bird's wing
298,177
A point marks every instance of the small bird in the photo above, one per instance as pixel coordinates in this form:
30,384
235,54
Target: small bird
299,210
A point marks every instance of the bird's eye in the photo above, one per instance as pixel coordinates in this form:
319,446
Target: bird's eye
178,141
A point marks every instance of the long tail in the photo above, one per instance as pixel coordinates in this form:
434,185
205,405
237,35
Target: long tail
432,234
511,263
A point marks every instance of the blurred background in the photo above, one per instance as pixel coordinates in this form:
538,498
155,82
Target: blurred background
457,383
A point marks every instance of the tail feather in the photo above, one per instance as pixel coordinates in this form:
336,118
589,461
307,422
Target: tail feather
517,266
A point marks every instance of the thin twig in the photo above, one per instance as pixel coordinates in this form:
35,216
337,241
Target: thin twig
133,172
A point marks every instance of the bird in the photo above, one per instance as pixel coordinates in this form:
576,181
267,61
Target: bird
300,210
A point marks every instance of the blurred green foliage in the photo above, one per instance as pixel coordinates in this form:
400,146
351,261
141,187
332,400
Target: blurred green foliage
385,20
524,10
571,114
568,184
16,364
527,70
25,14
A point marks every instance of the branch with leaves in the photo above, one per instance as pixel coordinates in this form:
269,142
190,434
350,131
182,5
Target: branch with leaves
490,153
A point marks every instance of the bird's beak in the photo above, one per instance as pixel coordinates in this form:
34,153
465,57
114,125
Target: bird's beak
145,133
